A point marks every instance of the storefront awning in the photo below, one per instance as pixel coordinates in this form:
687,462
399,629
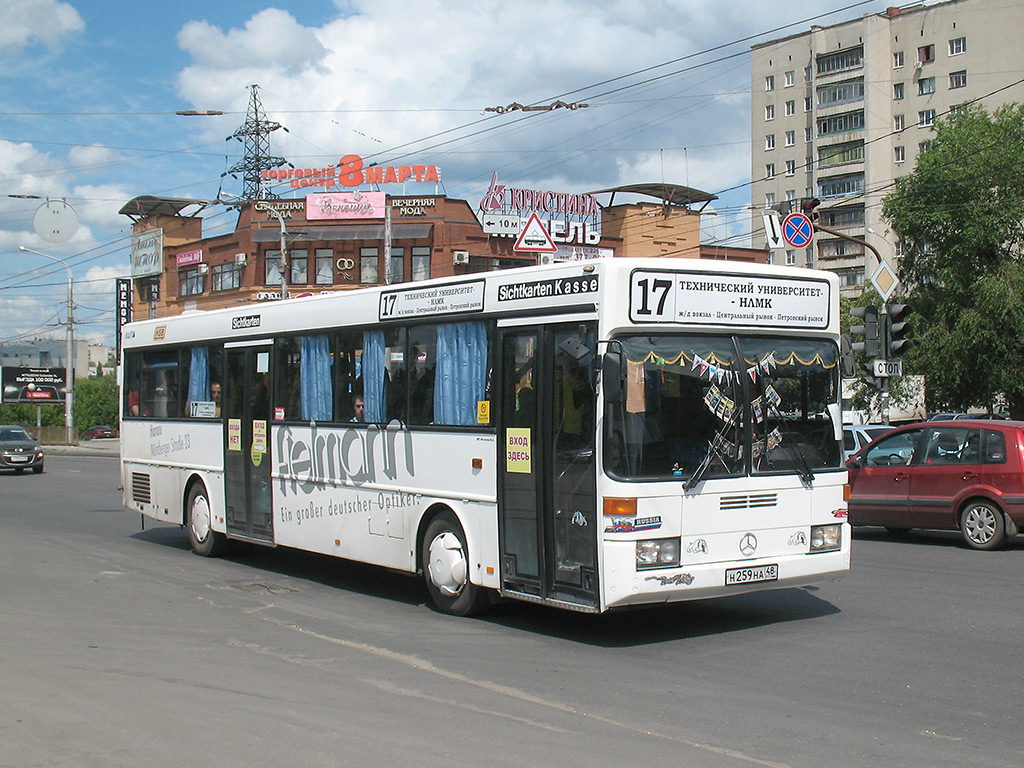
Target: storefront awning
308,234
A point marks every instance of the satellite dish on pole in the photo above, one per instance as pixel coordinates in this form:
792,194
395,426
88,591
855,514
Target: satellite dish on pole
55,221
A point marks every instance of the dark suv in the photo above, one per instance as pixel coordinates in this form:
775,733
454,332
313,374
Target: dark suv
952,475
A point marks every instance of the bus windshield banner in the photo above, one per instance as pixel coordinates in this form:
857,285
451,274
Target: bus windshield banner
720,299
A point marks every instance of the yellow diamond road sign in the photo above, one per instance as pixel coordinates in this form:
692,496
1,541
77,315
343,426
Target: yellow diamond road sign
884,280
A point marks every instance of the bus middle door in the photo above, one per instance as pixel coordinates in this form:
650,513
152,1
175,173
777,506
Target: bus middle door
548,516
246,410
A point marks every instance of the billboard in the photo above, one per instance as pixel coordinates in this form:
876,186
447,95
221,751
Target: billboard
32,385
147,253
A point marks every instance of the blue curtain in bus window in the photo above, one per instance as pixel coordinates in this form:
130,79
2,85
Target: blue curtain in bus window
315,378
461,376
199,376
373,377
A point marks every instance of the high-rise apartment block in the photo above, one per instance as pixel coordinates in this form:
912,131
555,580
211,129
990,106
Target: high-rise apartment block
840,112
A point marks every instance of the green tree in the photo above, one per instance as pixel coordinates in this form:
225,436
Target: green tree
95,402
960,218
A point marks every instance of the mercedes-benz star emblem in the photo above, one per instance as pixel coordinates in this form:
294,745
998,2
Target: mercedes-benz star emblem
748,544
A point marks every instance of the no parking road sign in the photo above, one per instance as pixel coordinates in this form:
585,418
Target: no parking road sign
797,230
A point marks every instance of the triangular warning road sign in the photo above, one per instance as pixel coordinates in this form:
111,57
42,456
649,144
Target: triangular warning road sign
535,237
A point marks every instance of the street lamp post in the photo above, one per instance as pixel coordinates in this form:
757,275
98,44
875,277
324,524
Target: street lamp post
69,358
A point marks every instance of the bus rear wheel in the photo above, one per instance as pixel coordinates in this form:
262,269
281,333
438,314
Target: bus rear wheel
446,567
199,521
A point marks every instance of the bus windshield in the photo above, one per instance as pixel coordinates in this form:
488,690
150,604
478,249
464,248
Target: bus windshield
722,406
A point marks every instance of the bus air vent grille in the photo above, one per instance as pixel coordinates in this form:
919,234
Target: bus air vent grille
749,501
141,492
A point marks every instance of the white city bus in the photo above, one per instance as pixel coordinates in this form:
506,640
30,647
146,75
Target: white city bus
585,435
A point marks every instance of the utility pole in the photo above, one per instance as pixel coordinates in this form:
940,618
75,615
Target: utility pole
69,357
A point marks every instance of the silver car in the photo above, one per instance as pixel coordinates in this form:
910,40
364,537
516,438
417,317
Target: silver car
856,436
19,450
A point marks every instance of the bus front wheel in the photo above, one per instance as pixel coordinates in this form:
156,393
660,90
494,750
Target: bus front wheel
446,566
204,540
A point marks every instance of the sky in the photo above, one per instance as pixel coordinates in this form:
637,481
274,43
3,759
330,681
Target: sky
89,91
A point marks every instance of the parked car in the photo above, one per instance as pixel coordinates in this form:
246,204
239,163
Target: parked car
965,475
100,430
19,450
856,436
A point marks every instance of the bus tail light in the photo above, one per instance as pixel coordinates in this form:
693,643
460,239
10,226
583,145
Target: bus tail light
620,507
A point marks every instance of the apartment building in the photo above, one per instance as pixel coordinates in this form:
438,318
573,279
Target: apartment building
841,112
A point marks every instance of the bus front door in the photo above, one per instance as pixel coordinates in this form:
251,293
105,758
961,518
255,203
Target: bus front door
246,410
548,517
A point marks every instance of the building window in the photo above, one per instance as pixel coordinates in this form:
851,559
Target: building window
838,154
897,59
840,93
850,278
808,74
897,91
397,264
837,186
790,108
272,271
844,123
769,171
808,134
190,282
843,217
898,123
769,199
420,262
769,112
790,258
790,195
790,138
925,118
925,86
226,277
926,53
790,79
840,60
368,267
790,167
899,154
958,46
958,79
769,83
298,267
769,142
954,108
924,146
807,104
324,266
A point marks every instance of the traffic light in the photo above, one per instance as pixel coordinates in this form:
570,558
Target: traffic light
808,206
869,330
897,330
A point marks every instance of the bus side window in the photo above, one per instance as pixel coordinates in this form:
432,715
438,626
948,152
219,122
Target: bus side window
423,369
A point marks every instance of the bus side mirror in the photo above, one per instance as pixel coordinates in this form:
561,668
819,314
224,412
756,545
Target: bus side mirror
613,377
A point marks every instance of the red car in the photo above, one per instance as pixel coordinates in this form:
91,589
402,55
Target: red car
949,475
98,431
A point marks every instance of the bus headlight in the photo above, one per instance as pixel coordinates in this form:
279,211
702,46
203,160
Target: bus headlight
657,553
826,538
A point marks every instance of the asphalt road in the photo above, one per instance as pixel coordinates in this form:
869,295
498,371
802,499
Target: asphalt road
118,647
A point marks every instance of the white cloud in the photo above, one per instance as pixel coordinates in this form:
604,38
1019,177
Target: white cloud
24,22
271,39
92,157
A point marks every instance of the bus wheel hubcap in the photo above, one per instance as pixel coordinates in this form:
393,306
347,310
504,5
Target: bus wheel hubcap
447,567
201,518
